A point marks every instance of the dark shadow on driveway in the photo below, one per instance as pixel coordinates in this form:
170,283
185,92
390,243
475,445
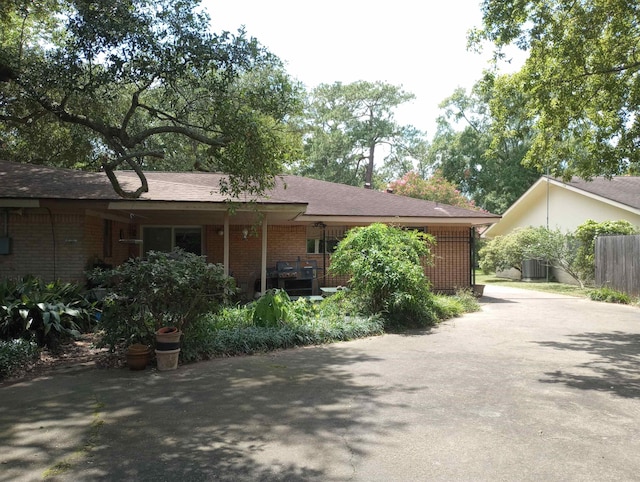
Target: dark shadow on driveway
490,299
614,367
209,421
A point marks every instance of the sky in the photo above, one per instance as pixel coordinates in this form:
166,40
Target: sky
419,45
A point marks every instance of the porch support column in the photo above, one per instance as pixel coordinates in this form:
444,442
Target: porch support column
225,256
263,267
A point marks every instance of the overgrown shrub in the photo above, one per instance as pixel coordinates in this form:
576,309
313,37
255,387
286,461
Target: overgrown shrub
385,265
46,312
163,289
610,295
510,250
15,355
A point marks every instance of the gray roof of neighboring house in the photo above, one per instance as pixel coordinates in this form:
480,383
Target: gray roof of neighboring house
28,181
621,189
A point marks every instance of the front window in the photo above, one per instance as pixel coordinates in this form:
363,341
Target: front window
325,240
166,238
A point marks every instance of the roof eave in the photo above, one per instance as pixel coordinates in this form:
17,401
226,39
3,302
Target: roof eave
19,203
204,206
598,197
403,220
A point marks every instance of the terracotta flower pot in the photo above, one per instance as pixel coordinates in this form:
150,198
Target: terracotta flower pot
138,356
168,338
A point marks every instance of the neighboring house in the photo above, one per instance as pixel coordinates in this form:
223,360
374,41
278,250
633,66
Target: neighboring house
566,205
57,223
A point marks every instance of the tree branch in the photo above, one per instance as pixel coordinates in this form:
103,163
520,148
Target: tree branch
613,70
109,168
185,131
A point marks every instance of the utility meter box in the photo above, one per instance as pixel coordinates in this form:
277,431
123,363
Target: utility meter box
5,245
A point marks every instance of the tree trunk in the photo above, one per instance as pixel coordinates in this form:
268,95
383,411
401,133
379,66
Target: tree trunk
368,177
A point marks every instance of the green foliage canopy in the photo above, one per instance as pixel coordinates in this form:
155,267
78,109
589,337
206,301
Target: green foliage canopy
572,252
481,140
509,251
346,126
141,84
387,275
581,81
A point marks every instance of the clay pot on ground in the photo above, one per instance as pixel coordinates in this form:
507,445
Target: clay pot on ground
138,356
168,348
167,359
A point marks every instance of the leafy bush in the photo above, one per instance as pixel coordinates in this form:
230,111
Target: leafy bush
586,234
572,252
15,355
231,317
385,265
610,296
272,309
163,289
510,250
456,305
45,312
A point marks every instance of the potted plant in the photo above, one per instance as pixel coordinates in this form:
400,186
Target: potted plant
138,356
163,292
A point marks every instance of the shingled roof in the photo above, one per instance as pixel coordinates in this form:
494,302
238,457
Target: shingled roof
623,189
321,198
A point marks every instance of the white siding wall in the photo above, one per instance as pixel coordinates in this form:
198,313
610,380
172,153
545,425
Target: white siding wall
567,211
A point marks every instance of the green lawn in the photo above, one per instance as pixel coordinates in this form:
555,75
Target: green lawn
559,288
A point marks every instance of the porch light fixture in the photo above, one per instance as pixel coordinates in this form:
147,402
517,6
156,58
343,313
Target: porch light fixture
245,233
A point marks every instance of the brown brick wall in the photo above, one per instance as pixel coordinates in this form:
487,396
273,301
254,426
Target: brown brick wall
214,244
78,243
76,240
45,244
285,243
95,247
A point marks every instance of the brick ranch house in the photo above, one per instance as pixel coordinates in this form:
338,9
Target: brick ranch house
57,223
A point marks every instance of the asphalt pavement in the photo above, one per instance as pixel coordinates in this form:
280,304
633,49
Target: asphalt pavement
535,387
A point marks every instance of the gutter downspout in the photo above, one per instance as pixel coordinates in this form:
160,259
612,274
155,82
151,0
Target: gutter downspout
472,257
548,186
263,267
225,256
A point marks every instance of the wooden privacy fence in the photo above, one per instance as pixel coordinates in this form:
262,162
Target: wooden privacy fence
618,263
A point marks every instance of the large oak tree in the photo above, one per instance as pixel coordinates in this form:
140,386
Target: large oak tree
141,84
581,80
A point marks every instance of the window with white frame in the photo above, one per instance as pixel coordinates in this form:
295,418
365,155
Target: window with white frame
324,240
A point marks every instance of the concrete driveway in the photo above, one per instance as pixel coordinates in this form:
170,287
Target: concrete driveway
534,387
